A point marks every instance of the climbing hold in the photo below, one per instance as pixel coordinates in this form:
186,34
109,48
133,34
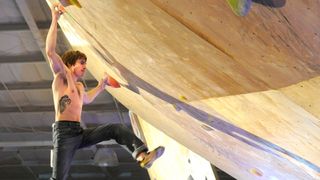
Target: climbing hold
112,82
70,2
240,7
60,8
182,98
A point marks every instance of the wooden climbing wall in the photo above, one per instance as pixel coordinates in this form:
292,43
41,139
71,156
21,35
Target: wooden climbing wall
239,91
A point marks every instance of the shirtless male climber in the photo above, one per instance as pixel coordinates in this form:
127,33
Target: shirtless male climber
69,95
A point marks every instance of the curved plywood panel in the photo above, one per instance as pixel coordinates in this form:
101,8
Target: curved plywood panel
209,89
279,45
181,163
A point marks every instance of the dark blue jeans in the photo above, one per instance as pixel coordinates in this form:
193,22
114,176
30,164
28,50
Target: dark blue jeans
69,136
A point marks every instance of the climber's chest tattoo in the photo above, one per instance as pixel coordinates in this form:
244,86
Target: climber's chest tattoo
63,103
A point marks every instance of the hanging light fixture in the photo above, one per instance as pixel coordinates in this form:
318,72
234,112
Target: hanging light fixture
105,157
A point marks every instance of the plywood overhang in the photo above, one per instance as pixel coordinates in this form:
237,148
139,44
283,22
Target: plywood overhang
234,90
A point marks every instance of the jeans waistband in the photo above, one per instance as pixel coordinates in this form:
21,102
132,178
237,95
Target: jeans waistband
66,124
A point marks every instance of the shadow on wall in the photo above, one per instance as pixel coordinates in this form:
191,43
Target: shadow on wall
271,3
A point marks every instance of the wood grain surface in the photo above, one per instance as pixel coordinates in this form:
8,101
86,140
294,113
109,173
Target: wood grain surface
240,91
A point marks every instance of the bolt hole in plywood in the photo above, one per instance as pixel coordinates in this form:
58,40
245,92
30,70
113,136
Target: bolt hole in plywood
256,172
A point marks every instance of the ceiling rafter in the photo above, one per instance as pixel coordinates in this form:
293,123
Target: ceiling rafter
46,143
108,107
25,58
27,15
38,85
22,26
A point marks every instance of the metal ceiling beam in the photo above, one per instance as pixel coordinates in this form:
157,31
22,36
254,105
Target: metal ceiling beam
109,107
27,58
27,15
22,144
25,136
22,26
38,85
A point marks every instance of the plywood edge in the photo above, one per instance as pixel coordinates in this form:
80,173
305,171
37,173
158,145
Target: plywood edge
306,94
